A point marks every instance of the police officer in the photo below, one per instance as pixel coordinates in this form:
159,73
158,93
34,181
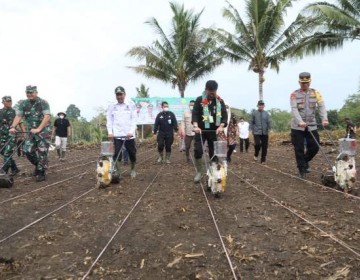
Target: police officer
7,141
36,114
121,121
164,127
209,117
304,102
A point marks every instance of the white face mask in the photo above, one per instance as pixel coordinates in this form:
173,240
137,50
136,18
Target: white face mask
191,107
165,109
61,116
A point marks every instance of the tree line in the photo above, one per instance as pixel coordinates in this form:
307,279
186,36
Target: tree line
94,131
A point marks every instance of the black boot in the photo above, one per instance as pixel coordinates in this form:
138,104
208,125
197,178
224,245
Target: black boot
40,176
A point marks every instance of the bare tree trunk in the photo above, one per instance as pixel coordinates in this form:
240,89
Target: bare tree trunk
181,90
261,81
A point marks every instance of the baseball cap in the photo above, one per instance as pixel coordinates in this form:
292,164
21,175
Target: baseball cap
119,89
7,98
261,102
31,88
304,77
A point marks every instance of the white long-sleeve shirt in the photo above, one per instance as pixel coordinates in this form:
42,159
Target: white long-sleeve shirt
121,119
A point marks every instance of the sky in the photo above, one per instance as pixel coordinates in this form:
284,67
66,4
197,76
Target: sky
74,51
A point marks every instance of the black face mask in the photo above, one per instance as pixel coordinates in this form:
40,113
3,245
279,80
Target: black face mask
210,97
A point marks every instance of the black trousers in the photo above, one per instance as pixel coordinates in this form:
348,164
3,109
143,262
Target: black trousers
165,140
130,147
261,143
231,148
188,140
298,139
210,137
246,142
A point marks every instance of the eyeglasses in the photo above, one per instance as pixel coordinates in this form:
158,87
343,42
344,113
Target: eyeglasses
32,92
7,100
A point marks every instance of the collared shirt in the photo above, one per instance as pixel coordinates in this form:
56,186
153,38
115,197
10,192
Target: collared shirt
260,122
121,119
186,122
244,130
303,105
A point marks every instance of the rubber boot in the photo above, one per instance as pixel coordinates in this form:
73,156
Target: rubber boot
40,176
133,172
167,160
14,169
161,157
198,164
62,155
58,153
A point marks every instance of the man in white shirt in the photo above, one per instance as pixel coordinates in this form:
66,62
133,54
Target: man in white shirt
121,127
244,135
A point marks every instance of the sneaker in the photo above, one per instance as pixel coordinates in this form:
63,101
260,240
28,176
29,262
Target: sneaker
255,158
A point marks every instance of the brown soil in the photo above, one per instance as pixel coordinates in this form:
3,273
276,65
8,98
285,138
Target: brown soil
273,224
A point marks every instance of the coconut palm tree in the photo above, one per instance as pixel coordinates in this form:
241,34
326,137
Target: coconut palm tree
185,55
342,19
142,91
263,41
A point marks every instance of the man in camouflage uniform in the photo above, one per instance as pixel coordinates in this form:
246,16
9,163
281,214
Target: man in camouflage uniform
7,141
304,102
36,114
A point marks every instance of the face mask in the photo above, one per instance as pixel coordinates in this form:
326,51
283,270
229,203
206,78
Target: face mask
165,109
191,107
61,116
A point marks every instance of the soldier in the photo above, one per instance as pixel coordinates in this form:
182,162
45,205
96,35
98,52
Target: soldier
36,114
209,118
303,103
7,115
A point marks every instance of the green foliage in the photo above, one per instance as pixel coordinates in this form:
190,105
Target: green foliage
186,54
142,92
262,40
280,120
341,19
240,113
72,112
351,108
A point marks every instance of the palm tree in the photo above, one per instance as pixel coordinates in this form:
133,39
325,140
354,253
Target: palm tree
263,41
185,55
142,92
342,19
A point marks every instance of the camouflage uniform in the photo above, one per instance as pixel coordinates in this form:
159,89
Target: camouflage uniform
7,141
36,146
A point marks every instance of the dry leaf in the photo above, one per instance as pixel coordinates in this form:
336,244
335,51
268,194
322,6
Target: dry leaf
194,255
142,263
174,262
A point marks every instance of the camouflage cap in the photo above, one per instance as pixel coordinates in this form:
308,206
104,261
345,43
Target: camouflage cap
119,89
30,88
6,98
304,77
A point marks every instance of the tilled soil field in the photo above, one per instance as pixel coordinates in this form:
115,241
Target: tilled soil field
269,224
